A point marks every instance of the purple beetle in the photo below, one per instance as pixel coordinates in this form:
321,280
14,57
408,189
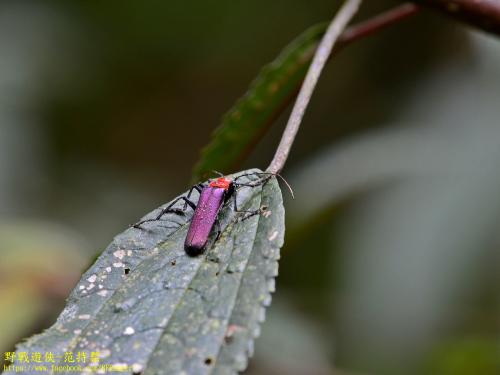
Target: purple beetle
212,198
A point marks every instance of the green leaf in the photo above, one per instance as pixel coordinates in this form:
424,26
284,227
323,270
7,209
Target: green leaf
147,305
251,116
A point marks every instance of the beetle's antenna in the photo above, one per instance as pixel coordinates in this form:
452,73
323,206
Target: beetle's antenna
218,173
286,183
269,174
282,179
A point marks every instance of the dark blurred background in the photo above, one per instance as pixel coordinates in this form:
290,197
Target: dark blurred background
391,261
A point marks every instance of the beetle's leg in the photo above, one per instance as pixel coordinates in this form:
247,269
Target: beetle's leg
249,174
252,212
246,213
249,214
236,197
198,188
219,230
168,209
258,174
260,182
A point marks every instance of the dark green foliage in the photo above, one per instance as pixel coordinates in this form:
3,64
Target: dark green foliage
268,95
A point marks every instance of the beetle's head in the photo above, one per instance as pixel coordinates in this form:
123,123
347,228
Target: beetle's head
222,182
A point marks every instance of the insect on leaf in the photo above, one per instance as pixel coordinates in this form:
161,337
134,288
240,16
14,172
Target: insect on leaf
145,306
268,95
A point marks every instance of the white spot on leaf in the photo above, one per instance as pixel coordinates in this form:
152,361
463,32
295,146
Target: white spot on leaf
129,331
119,254
273,235
92,278
137,367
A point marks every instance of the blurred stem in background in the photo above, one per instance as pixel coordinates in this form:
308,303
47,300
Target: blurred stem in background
483,14
333,32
